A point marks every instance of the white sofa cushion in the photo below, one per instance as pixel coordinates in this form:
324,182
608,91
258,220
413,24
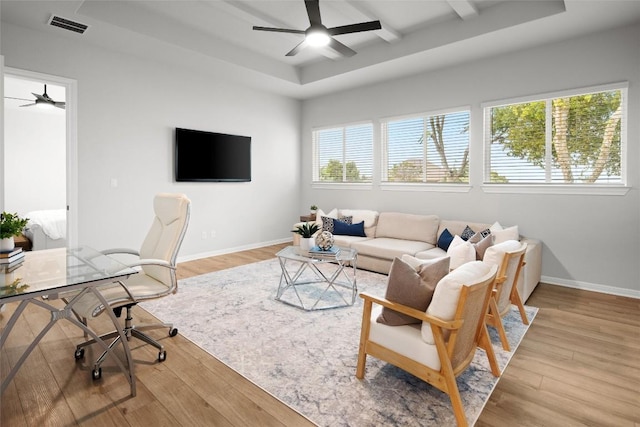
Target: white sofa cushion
404,226
447,293
388,248
405,340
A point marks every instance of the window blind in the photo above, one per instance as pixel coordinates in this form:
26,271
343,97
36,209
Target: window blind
343,154
569,138
427,148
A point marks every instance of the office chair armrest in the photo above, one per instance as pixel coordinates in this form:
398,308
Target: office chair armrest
150,261
120,251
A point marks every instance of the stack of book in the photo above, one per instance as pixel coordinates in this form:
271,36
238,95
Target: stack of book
331,252
11,259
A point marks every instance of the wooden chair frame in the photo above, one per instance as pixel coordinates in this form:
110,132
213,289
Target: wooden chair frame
445,378
494,316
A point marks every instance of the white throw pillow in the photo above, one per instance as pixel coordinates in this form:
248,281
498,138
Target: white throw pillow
369,217
460,252
509,233
447,293
494,254
495,227
417,263
320,213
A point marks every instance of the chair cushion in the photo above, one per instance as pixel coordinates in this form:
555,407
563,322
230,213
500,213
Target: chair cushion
447,293
412,287
405,340
140,285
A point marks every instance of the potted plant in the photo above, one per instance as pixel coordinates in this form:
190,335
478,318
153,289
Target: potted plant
306,231
10,225
313,209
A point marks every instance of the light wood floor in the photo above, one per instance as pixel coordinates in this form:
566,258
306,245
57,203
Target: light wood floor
579,364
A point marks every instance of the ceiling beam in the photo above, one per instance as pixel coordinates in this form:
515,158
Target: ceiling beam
464,8
357,11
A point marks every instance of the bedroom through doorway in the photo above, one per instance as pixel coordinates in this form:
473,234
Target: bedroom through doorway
36,156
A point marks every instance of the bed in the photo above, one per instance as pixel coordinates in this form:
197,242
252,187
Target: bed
46,229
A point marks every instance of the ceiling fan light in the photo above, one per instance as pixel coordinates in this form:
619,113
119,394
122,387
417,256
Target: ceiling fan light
43,104
317,38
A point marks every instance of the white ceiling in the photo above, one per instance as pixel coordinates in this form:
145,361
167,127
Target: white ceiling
417,35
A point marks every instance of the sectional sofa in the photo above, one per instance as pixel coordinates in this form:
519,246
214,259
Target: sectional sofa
379,237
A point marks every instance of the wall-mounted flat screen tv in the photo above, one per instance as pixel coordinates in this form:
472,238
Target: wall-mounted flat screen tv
209,156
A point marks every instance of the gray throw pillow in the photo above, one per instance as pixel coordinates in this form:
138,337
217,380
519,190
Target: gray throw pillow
411,287
482,246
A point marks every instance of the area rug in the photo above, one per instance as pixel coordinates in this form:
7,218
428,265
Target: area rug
307,359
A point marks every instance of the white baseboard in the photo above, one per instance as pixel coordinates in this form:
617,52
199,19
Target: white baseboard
225,251
612,290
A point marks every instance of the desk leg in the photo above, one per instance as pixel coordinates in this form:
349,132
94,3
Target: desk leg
67,313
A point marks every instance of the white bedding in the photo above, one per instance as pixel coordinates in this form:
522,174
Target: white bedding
53,222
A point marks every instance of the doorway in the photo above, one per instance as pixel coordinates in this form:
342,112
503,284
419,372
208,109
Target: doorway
40,170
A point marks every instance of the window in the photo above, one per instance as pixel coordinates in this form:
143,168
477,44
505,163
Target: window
426,148
343,154
570,138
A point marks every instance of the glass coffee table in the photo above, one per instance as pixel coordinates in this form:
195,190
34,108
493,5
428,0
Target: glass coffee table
317,281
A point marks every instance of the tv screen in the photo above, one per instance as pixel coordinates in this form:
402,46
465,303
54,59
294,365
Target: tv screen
209,156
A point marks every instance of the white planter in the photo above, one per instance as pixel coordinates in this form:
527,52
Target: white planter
7,244
307,243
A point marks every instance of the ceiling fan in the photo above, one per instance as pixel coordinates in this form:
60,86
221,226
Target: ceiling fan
41,100
319,35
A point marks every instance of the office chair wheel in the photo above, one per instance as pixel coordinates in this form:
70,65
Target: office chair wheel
162,356
79,354
96,374
173,332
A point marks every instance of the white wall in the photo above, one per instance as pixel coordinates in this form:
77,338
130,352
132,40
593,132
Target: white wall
589,241
127,111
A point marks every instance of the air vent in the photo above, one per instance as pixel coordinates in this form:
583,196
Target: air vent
67,24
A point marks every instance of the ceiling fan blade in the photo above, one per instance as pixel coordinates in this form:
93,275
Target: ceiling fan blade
29,105
313,10
278,30
60,105
298,48
355,28
340,48
19,99
40,97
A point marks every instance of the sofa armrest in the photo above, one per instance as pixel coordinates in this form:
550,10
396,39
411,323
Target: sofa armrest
532,270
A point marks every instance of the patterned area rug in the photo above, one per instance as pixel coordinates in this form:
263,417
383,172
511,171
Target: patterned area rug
307,359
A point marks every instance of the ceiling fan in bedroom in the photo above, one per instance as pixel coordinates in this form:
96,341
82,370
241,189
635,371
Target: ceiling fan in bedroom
43,100
319,35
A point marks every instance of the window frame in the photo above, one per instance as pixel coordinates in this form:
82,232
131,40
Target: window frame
552,187
462,187
343,185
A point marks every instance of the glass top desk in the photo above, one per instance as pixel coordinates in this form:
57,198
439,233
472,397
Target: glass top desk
45,275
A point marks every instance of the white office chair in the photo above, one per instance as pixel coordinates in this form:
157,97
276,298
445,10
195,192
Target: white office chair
156,278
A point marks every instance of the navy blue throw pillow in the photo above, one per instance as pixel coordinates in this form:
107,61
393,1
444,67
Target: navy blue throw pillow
344,229
445,239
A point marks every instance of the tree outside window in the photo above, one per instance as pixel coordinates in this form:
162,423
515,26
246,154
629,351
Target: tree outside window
570,140
427,149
